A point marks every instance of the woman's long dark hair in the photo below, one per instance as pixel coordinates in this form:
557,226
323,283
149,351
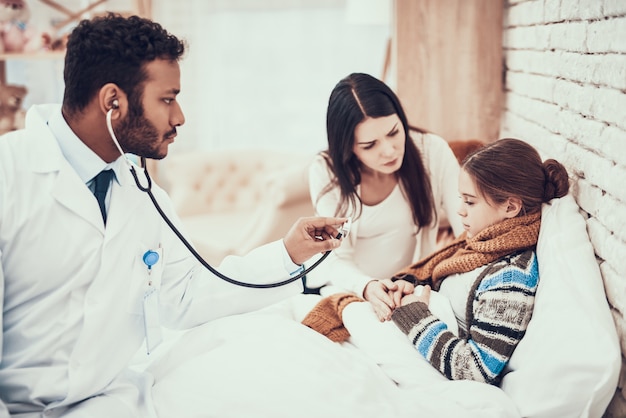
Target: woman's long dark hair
353,99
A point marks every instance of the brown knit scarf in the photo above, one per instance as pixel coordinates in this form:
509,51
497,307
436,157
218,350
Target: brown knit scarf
466,254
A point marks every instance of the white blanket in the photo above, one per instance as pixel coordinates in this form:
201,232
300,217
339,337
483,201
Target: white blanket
266,364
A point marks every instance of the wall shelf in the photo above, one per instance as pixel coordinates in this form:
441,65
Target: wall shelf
40,55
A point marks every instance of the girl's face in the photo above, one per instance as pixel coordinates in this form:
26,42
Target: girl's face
379,143
477,213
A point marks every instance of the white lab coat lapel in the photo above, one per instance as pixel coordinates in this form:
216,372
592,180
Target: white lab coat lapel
68,189
72,193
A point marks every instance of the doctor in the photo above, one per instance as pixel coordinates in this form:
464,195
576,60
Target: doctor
84,287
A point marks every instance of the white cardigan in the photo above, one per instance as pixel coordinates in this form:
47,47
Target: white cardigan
339,269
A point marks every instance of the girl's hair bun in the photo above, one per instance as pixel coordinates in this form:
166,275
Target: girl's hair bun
557,181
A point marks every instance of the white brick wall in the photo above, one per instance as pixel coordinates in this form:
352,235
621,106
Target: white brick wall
565,68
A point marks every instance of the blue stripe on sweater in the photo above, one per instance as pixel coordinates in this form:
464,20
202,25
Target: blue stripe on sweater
428,337
528,279
493,364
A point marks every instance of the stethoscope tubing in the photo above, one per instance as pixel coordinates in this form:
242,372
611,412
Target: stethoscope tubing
148,190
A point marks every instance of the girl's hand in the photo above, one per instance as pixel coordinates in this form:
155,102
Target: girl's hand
423,297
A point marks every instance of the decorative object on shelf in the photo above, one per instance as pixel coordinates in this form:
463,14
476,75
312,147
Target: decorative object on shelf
55,39
11,112
16,34
57,43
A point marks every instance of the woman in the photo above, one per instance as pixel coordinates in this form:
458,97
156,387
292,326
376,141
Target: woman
394,180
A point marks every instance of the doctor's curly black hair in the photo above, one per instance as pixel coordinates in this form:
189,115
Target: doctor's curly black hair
113,49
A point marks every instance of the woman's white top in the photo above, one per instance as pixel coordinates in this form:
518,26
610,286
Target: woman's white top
384,232
378,244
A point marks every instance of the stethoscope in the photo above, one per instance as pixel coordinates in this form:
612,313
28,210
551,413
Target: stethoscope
343,231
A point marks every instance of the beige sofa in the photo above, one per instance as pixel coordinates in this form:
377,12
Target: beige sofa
233,201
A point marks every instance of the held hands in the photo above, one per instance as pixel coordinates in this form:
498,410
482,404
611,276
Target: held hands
310,236
385,296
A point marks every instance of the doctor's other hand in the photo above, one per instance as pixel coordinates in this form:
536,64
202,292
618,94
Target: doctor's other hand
310,236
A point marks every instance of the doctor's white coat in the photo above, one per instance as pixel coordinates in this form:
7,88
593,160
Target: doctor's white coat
73,291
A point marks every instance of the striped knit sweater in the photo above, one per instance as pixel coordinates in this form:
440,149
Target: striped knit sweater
499,309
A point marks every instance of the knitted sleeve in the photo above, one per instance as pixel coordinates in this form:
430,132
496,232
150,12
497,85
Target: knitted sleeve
498,315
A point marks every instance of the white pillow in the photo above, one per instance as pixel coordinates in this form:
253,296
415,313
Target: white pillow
568,363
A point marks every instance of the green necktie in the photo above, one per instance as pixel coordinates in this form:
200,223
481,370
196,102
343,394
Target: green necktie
102,181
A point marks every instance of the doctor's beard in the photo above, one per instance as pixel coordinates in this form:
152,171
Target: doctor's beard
139,136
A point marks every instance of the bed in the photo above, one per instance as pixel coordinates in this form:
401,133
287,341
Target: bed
267,364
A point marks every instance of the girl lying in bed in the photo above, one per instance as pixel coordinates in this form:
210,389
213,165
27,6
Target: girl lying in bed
493,267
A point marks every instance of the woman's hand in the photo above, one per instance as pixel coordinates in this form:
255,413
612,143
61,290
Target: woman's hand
385,296
404,288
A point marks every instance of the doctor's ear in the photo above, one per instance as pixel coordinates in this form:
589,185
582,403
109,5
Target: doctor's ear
111,97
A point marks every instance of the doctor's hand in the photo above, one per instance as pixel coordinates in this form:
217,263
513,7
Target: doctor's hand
310,236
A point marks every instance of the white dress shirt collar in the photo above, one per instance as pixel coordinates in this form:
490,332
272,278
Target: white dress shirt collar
85,162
